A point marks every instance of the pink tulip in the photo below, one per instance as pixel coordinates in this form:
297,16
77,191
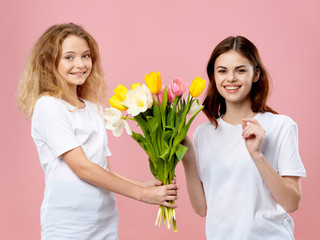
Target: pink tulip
170,94
178,86
160,94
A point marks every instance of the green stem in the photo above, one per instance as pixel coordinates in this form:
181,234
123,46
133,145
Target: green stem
161,113
129,118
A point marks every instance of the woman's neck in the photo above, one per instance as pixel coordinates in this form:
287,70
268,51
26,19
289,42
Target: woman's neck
236,112
74,93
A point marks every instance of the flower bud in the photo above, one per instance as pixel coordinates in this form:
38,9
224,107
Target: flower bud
133,86
115,102
153,81
197,86
121,92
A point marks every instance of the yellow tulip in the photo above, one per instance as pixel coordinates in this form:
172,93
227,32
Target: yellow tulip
115,102
197,86
153,81
121,92
133,86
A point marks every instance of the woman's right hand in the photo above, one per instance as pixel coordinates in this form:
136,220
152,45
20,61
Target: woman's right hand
160,195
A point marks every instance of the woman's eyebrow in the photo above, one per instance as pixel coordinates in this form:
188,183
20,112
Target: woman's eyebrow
68,52
221,67
241,66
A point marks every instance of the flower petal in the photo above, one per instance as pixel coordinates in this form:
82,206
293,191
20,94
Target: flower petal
194,108
138,100
127,127
117,131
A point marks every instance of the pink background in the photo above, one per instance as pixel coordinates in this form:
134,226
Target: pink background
175,38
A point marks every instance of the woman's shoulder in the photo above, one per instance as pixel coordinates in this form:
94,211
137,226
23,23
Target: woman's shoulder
271,118
46,100
204,127
47,105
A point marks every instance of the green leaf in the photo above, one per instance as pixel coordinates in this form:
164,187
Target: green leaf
164,106
165,154
160,171
156,110
152,124
184,112
138,137
166,136
181,135
171,117
181,151
153,168
146,144
143,125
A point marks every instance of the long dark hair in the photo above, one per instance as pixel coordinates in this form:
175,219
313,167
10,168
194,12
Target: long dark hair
214,103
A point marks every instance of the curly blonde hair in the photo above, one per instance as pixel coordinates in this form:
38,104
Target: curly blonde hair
42,78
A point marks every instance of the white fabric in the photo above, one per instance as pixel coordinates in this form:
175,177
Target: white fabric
72,208
239,205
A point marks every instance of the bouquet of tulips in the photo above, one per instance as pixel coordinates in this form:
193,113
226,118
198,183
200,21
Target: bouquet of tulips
161,113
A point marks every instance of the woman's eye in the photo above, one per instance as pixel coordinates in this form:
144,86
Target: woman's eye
222,71
86,56
241,70
68,57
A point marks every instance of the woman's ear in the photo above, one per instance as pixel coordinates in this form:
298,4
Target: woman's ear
256,75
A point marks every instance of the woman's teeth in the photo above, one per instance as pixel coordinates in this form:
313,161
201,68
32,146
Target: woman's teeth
79,73
232,88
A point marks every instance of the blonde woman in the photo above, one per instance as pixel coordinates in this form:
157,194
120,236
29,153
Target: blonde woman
62,91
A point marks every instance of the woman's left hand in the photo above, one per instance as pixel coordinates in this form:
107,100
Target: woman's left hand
155,183
253,135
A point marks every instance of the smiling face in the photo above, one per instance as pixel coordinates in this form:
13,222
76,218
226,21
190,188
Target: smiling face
75,64
234,75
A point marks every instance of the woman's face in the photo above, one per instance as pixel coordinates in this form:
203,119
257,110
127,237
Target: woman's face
234,75
75,64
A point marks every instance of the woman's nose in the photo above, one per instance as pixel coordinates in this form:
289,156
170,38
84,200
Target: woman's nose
231,77
79,62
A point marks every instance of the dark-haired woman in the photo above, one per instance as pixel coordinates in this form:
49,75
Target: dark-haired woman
243,169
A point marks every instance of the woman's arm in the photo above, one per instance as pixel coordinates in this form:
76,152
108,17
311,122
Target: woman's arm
150,183
286,190
98,176
194,184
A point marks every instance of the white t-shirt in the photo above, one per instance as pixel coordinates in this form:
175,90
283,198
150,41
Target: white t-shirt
239,204
72,208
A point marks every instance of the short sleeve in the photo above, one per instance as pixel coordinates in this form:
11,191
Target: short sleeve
51,125
290,163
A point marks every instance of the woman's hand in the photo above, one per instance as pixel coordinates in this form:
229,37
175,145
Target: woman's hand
253,135
160,195
155,183
286,190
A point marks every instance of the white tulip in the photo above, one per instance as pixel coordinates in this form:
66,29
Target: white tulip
138,100
194,108
115,121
